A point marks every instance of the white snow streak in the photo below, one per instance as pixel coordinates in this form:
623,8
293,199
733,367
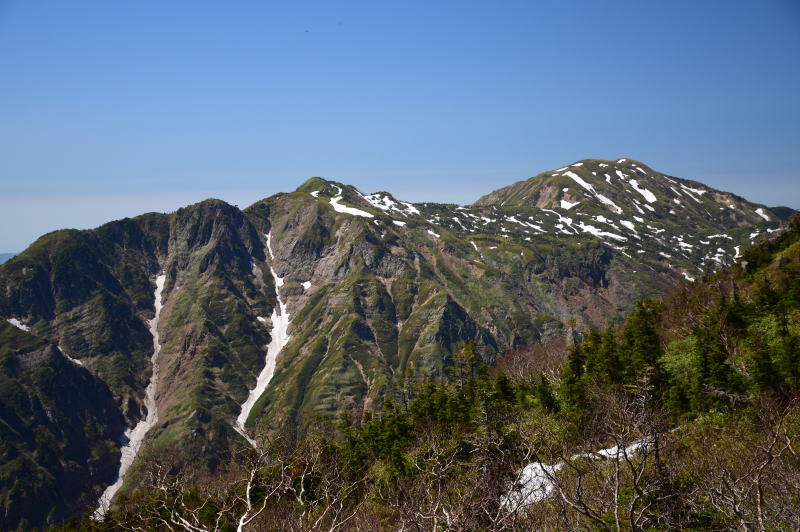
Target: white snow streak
761,213
699,191
578,179
649,196
74,360
610,203
280,337
597,232
18,324
566,205
132,439
348,210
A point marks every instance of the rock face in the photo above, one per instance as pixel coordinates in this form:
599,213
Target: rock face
378,290
58,432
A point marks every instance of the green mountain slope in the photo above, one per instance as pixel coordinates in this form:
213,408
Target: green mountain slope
59,432
684,417
377,290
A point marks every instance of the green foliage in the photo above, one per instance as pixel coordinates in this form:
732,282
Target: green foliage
737,333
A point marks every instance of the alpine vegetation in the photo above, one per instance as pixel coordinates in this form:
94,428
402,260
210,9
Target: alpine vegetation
331,358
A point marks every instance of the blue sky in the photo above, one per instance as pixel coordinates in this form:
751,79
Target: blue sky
110,109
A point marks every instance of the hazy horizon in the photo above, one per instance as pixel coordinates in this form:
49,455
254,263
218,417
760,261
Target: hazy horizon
88,212
114,110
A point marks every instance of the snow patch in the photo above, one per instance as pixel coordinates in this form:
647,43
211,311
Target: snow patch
535,482
610,203
73,360
586,228
649,196
761,213
566,205
132,438
306,285
689,192
578,179
698,191
387,204
434,234
398,222
348,210
280,337
18,324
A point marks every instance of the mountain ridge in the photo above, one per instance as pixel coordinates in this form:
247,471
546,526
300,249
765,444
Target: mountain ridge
378,290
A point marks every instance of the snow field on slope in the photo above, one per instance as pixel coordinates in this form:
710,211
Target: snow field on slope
280,337
133,438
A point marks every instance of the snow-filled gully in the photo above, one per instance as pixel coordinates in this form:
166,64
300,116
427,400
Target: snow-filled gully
132,438
280,337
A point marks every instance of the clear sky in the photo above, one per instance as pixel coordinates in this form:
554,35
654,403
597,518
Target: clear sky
110,108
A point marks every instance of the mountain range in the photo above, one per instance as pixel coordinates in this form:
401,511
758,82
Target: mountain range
312,302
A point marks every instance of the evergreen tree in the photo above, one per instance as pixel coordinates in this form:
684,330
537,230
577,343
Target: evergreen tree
572,382
545,396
